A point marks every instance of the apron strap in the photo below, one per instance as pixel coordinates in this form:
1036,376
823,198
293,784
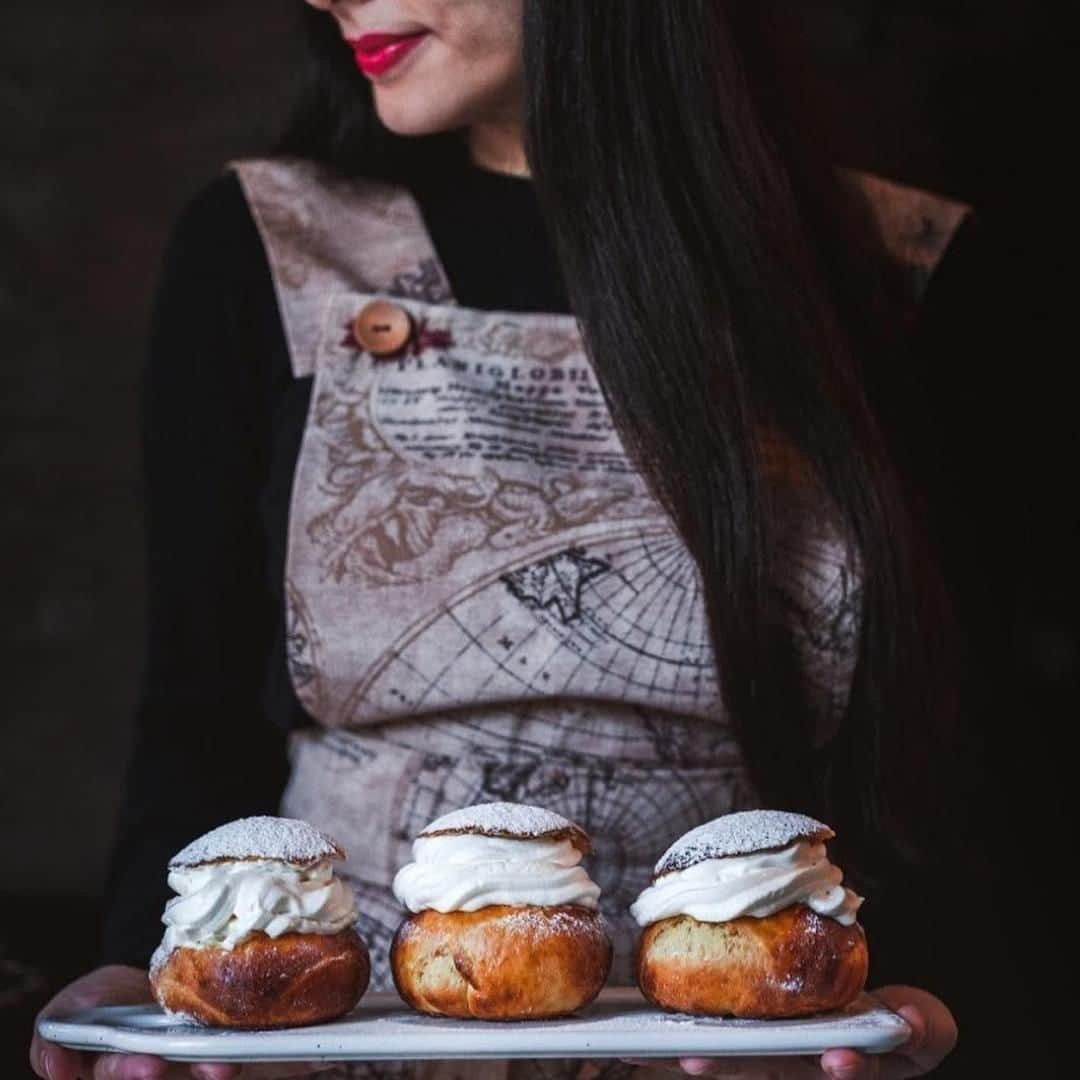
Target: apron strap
327,234
915,226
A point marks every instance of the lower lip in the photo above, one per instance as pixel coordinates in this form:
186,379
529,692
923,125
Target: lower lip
383,59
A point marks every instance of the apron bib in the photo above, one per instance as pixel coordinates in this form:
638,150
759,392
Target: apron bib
484,600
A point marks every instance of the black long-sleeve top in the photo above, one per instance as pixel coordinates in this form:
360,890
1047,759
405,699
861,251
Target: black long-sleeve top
223,420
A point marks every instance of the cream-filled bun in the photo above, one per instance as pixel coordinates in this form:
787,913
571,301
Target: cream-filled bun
505,923
260,933
746,916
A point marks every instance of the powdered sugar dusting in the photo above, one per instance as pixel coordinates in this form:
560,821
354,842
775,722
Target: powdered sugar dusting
863,1013
514,820
740,834
157,961
281,839
541,922
183,1018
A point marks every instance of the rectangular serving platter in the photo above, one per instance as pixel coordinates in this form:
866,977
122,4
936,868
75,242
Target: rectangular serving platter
619,1024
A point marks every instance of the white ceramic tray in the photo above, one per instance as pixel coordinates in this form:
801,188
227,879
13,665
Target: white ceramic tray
618,1024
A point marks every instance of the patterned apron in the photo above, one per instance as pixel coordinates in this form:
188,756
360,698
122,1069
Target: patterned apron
484,601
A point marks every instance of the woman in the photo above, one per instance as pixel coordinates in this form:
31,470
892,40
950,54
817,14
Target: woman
511,561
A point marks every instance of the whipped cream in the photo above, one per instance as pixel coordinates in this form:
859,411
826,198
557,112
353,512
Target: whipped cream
466,872
759,884
221,904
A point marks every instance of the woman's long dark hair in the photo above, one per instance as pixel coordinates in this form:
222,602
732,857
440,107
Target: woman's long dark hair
722,292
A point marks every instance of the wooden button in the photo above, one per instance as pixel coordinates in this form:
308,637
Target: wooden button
383,328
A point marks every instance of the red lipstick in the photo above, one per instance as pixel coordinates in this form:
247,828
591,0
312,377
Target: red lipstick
376,53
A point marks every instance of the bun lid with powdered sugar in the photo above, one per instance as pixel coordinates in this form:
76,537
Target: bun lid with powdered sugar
253,839
744,833
512,821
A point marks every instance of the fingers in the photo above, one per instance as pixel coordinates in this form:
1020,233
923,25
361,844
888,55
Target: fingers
933,1031
128,1067
113,985
850,1065
52,1062
176,1070
666,1065
144,1067
933,1036
283,1070
753,1068
57,1062
745,1068
212,1071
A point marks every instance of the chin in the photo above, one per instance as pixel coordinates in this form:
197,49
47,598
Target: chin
409,112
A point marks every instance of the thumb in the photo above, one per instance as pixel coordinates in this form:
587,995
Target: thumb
933,1030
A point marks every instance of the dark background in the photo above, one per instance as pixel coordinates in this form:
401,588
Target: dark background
115,114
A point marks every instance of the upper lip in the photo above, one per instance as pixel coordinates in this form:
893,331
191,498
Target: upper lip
372,42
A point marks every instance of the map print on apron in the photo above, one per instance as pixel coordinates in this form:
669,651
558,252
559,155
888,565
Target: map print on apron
485,601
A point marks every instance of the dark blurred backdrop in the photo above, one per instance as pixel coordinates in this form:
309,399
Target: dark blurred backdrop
115,114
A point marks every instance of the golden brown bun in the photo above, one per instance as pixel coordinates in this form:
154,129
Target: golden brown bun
501,962
266,982
792,963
